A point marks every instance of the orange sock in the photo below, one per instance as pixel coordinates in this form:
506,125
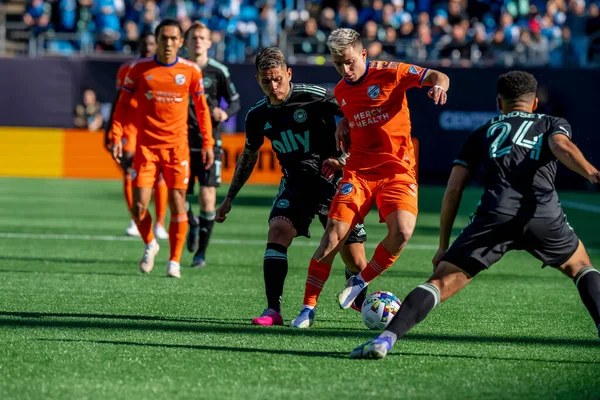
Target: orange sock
161,199
318,273
128,191
145,227
381,261
177,231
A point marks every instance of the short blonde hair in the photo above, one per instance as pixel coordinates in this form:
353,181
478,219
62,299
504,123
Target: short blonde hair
196,25
341,39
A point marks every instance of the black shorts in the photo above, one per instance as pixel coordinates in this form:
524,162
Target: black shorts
489,236
300,200
206,177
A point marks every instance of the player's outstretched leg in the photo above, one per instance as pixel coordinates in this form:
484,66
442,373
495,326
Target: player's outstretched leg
447,280
161,201
275,269
143,219
401,225
319,269
586,279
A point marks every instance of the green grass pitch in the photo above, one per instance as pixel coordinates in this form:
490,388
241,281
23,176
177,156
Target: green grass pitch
77,320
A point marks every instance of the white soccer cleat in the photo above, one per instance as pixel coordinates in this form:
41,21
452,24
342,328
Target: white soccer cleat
305,319
354,286
132,229
147,261
173,270
160,232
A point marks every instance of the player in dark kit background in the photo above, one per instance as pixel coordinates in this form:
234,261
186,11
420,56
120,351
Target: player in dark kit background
519,209
217,86
300,122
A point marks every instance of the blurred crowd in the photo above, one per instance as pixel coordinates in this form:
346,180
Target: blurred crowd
557,33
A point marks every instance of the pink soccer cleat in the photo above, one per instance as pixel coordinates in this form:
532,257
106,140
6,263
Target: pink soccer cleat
268,317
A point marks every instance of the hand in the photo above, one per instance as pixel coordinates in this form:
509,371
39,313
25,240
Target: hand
595,177
219,115
223,210
438,94
117,150
438,256
208,157
330,166
342,135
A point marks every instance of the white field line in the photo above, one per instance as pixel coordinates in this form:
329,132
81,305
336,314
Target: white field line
302,243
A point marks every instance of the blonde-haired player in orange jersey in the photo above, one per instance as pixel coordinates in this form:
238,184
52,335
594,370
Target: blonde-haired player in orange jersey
147,48
162,86
381,166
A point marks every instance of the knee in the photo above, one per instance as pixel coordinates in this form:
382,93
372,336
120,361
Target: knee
400,236
138,210
281,231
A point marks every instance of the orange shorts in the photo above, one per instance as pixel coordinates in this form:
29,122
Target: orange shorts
129,142
356,195
174,163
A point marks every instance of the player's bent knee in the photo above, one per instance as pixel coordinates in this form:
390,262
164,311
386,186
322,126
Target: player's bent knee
281,231
138,210
449,279
576,262
400,237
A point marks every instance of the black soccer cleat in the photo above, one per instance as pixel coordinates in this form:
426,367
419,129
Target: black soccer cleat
193,234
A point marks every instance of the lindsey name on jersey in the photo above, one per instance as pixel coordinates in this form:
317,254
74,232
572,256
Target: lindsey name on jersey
519,167
301,129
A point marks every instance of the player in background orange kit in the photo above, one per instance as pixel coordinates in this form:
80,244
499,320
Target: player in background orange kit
381,166
163,85
147,47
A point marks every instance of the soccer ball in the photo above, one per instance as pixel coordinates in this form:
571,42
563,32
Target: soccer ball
379,308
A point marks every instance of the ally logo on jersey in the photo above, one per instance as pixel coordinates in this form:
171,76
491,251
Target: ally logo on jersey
291,142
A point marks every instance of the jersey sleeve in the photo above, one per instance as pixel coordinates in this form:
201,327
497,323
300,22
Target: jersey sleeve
121,74
121,116
228,91
332,104
471,154
254,135
202,109
410,76
560,126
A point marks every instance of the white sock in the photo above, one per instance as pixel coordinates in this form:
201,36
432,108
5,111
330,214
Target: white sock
152,243
391,335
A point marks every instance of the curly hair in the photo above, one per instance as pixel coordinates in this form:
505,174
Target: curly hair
516,84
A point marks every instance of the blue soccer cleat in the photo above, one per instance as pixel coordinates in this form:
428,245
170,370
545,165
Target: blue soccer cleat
373,349
305,319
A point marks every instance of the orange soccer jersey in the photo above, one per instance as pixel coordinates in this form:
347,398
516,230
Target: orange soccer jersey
377,111
162,93
130,129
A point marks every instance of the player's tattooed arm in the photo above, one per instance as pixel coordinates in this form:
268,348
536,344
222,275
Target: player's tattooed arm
243,170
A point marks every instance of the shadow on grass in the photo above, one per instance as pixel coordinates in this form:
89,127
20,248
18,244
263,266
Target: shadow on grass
333,354
47,259
328,354
241,326
237,325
